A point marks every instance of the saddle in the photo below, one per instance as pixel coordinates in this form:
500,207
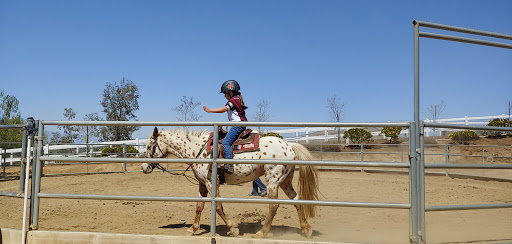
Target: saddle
247,141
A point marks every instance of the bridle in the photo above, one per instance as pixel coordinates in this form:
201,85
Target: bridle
160,167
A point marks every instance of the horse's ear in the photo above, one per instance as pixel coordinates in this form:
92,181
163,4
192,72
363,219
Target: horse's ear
155,132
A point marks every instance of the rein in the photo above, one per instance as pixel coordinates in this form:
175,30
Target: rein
160,167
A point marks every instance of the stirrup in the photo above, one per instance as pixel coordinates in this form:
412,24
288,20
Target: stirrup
229,168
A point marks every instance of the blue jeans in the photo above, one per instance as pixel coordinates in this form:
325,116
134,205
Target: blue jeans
232,135
258,184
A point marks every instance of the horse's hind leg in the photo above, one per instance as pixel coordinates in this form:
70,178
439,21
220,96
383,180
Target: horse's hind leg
272,194
287,187
203,192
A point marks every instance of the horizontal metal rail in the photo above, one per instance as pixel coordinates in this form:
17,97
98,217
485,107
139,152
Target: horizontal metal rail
456,145
464,155
18,126
86,173
226,161
468,207
469,127
468,166
462,30
465,40
197,123
227,200
12,194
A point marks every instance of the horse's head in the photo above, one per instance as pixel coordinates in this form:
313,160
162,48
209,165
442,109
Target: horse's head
154,149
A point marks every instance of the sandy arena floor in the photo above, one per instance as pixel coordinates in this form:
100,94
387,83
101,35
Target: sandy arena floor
362,225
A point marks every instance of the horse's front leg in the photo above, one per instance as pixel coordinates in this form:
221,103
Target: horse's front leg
272,194
233,230
203,192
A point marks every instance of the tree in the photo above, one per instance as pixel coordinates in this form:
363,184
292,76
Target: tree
88,131
70,132
120,101
186,109
336,111
434,111
9,107
262,113
10,115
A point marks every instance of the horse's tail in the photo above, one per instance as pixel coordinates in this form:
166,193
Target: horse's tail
308,181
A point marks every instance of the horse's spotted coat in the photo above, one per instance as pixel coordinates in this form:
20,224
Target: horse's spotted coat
187,144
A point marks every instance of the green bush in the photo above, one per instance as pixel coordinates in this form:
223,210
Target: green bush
118,150
358,135
392,132
499,123
464,137
272,134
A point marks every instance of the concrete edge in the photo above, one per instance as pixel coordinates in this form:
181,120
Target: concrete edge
10,236
13,236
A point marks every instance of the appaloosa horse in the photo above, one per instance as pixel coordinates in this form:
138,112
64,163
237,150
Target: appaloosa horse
185,144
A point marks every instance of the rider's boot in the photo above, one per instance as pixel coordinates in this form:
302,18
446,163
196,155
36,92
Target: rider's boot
229,168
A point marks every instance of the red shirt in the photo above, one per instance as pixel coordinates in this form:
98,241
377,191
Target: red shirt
236,111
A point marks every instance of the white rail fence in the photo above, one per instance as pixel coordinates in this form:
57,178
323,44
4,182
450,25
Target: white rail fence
8,157
80,150
311,134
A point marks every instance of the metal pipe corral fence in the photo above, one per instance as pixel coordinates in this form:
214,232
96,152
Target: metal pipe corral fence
420,236
416,155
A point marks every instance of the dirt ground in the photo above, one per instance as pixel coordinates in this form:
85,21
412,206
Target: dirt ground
342,224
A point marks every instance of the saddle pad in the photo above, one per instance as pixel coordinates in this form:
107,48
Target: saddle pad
248,144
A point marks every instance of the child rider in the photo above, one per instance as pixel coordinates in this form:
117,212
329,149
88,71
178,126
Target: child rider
236,112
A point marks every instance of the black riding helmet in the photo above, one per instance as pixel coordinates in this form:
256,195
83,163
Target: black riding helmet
230,85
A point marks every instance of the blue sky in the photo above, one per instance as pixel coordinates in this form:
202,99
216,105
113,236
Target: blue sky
294,54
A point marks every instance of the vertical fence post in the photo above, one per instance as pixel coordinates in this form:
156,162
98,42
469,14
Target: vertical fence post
37,178
483,160
3,157
413,224
124,156
25,198
23,160
447,157
421,183
415,127
402,152
213,212
362,156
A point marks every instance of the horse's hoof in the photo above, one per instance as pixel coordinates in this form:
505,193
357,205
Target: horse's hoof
308,233
234,232
261,234
191,230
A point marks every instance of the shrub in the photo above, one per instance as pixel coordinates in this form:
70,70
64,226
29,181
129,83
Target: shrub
357,135
118,150
272,134
464,137
499,123
392,132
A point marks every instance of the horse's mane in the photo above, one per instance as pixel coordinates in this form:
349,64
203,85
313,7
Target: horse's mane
184,133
